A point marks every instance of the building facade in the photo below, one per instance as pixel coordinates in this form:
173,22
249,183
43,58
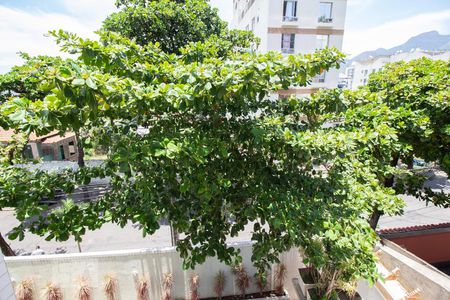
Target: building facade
358,73
295,26
50,147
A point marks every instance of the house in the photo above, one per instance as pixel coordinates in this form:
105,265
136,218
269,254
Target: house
49,147
294,26
423,229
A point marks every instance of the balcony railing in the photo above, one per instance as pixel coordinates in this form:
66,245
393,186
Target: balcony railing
324,19
289,19
287,50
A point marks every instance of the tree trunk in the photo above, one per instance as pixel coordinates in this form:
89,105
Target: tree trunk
81,163
388,182
6,249
375,218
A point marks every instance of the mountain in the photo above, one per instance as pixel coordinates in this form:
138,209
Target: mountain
431,40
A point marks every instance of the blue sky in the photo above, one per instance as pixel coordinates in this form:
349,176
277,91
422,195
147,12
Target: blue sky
370,24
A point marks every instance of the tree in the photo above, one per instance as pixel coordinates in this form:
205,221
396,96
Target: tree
21,80
25,81
173,24
411,98
215,147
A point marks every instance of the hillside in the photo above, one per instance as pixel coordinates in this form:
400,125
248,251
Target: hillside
431,40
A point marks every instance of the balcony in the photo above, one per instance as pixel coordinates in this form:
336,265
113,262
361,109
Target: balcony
325,19
290,19
287,50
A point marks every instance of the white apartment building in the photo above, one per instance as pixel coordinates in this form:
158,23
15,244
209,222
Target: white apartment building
359,71
295,26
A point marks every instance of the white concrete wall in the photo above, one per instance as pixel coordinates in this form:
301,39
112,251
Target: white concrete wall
6,290
415,273
65,268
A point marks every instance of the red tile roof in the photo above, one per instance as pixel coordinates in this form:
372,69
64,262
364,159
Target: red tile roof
414,228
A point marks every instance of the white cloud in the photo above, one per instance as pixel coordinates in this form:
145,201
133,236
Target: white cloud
23,31
359,3
395,33
90,10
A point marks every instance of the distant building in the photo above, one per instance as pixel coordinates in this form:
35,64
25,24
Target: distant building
295,26
49,147
359,71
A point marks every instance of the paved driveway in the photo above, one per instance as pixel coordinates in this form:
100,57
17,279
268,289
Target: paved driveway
109,237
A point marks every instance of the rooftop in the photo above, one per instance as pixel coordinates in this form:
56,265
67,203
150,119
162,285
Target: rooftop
418,213
52,137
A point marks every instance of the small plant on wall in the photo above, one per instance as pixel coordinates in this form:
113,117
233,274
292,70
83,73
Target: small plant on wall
52,292
110,287
142,288
280,277
167,286
83,289
24,290
242,279
261,282
219,284
194,282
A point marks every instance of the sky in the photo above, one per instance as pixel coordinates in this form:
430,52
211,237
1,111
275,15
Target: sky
370,24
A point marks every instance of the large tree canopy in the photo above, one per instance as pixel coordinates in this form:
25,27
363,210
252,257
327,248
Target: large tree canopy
174,24
195,138
410,98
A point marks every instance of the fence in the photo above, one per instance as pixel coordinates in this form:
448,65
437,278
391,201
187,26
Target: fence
127,266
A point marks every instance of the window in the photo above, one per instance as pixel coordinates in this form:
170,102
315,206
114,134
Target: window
253,23
325,12
287,43
319,78
72,150
322,41
290,10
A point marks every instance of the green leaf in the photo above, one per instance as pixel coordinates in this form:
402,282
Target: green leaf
90,83
78,81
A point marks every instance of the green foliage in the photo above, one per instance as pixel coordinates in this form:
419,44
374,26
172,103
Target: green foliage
410,101
215,147
419,90
23,80
175,24
193,136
